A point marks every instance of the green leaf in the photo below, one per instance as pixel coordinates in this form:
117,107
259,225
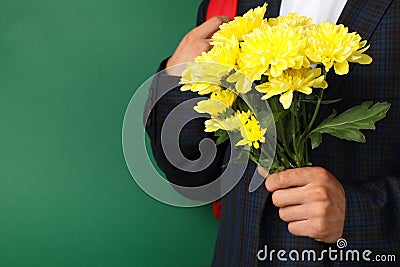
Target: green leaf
222,136
316,140
348,124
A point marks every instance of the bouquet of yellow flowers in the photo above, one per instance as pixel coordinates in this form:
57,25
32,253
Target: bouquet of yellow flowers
268,76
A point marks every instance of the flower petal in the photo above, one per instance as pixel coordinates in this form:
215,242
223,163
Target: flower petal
286,99
341,68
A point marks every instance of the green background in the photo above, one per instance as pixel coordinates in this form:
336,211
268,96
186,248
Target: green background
67,72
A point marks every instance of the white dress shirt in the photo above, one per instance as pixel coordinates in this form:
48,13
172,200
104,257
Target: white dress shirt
318,10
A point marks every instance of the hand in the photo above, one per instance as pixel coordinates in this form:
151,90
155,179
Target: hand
193,44
311,200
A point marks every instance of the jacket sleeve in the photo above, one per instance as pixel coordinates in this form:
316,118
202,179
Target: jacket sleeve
372,218
191,134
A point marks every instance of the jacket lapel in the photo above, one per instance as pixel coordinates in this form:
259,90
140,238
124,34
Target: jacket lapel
362,16
273,8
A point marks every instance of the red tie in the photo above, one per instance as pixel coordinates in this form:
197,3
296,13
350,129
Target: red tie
222,8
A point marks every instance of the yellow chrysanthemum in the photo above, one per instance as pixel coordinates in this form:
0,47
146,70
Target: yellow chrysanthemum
252,133
231,123
226,96
228,124
291,20
243,116
226,54
204,75
202,78
214,124
201,88
302,80
333,45
239,26
219,101
273,49
211,106
242,83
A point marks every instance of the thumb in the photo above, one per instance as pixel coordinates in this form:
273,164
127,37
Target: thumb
263,172
206,30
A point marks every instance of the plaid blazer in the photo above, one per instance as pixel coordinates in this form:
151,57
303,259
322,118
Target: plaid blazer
370,172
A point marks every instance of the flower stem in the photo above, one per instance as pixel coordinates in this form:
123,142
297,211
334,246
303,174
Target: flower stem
280,130
314,117
304,136
303,145
295,131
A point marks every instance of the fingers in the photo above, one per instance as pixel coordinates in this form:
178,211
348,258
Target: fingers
315,228
206,30
293,177
290,196
305,212
300,228
295,213
311,200
263,172
186,52
311,220
193,44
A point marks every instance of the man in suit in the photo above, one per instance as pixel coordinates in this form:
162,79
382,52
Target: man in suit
353,192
